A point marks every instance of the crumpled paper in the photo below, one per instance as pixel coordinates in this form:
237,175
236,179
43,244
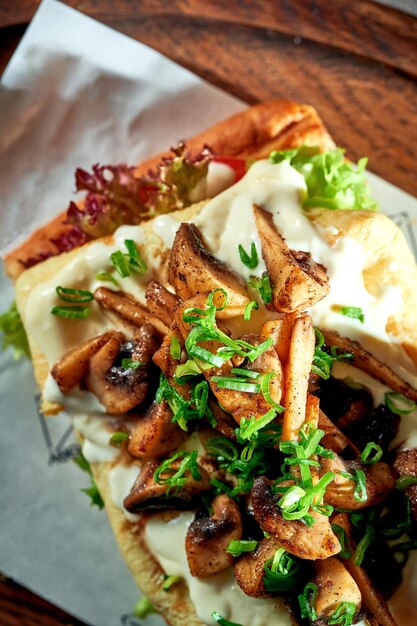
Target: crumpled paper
76,93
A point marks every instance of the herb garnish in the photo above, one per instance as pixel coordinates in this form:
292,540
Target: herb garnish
322,360
343,614
250,261
307,602
252,305
143,608
92,492
237,548
281,572
354,312
126,263
263,285
399,404
171,472
118,438
14,334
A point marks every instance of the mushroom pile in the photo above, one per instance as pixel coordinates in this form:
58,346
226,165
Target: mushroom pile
292,486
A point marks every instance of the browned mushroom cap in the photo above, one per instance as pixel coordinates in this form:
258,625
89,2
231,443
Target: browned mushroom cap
161,302
377,611
118,388
335,585
249,568
297,281
315,542
194,271
208,537
380,482
366,362
128,309
73,367
155,434
147,494
405,464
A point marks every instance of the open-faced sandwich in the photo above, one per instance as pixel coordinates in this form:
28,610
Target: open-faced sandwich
234,335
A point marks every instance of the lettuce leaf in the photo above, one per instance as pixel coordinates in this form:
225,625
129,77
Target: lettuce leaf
14,334
92,491
116,196
332,181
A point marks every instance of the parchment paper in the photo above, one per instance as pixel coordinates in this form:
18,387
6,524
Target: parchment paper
76,93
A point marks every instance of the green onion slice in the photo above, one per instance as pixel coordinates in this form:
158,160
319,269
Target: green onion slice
221,620
343,614
252,305
281,572
120,263
74,312
307,602
263,285
143,608
372,453
399,404
131,364
224,382
244,373
346,550
74,295
189,368
265,383
236,548
406,481
106,277
169,581
250,428
250,261
136,261
118,438
175,348
353,312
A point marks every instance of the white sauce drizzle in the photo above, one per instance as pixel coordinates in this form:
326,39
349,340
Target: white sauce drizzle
215,593
121,481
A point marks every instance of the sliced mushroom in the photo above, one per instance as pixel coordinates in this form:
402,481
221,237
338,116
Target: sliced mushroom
405,464
147,494
208,537
249,569
297,372
161,302
155,434
70,370
297,281
335,585
280,330
377,611
225,423
118,388
128,309
315,542
168,365
193,270
365,361
333,438
380,482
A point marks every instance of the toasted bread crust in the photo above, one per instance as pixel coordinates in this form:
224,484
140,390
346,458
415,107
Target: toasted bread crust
254,132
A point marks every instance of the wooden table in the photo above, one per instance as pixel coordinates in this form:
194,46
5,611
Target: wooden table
355,61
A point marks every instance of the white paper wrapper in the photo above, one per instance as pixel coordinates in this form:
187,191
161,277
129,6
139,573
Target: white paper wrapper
77,93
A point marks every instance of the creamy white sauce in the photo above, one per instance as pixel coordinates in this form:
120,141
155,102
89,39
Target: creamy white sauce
220,176
218,593
88,417
121,481
166,226
57,335
403,603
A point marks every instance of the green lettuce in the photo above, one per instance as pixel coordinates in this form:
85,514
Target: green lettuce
14,335
332,181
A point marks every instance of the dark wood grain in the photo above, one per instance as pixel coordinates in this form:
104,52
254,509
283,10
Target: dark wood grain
354,61
20,607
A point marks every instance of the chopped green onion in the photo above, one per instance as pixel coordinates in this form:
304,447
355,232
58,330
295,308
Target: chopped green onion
75,312
364,544
143,608
120,263
136,262
281,572
222,449
322,360
106,277
406,481
250,261
244,373
92,492
343,614
236,548
74,295
175,348
360,490
189,368
263,285
250,428
169,581
353,312
224,382
346,550
252,305
131,364
265,383
174,479
399,404
367,456
307,602
118,438
221,620
197,352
